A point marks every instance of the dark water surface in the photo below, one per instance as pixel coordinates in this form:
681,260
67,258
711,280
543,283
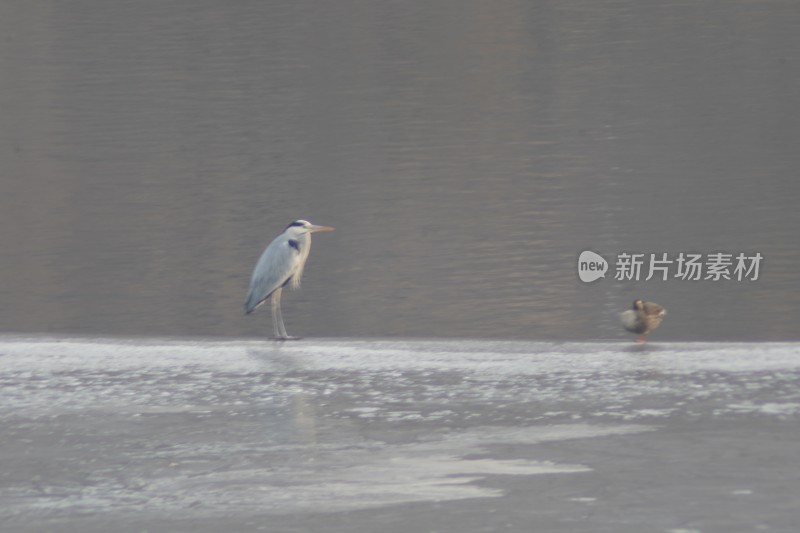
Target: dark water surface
467,152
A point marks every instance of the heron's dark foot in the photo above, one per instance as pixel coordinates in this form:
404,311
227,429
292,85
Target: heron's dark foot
286,338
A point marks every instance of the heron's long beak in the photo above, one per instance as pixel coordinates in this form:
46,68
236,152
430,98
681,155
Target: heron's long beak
314,228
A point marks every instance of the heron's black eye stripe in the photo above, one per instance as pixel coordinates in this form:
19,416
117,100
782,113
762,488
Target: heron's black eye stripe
296,224
294,244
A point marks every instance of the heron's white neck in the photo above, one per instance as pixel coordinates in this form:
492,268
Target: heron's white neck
304,243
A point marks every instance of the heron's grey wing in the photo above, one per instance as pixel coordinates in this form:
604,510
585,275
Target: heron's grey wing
275,267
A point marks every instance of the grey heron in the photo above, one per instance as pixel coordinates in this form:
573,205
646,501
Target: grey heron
643,318
281,264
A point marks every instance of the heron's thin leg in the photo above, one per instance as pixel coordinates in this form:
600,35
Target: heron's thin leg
284,335
277,319
281,333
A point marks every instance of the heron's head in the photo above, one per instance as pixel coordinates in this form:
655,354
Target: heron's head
638,305
300,227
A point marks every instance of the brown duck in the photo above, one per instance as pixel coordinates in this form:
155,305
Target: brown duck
643,318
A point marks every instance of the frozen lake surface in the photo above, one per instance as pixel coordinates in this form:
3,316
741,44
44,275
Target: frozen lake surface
398,435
